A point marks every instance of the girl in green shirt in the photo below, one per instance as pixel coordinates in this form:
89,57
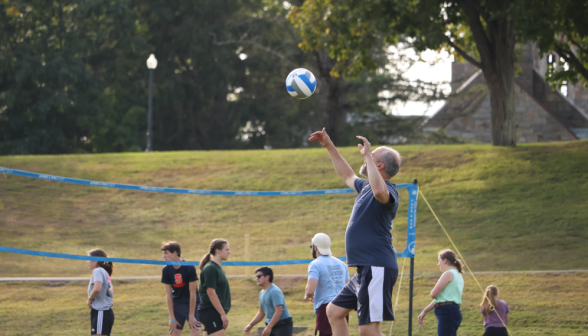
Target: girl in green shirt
447,295
214,289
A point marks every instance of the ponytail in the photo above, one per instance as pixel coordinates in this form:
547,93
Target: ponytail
451,258
489,307
204,260
107,265
216,244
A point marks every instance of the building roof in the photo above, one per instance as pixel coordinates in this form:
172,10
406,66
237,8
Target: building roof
466,99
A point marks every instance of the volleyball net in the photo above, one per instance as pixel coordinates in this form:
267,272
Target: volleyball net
61,217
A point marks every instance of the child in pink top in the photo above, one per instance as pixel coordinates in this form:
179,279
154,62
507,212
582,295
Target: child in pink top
495,313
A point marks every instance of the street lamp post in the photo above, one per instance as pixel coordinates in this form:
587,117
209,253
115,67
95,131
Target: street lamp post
151,64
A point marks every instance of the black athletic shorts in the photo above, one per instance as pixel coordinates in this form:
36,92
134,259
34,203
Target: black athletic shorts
211,320
283,328
496,331
102,321
182,314
370,293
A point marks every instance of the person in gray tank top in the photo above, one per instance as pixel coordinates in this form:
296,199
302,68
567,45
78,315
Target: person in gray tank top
447,295
100,294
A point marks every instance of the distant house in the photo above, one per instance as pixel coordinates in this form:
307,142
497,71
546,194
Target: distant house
542,114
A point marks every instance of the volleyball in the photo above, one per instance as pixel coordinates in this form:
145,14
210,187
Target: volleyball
301,83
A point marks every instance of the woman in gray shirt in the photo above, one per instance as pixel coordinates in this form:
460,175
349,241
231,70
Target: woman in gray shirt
100,294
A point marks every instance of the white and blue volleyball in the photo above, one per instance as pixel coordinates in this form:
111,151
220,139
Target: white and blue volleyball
301,83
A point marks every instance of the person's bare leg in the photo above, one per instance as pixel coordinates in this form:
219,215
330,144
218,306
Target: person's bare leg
337,319
370,329
195,331
219,333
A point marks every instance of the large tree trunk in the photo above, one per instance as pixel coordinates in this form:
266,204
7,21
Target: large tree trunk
502,101
330,89
496,45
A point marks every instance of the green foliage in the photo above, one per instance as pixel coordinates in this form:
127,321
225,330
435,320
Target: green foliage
560,27
47,95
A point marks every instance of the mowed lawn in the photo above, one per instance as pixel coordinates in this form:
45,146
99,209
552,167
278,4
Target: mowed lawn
523,208
541,304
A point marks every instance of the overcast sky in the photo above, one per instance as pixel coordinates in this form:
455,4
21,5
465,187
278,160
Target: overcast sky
439,72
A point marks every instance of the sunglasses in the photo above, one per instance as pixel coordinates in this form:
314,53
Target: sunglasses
258,276
311,245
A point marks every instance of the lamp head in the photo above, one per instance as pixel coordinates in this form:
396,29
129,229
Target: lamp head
152,62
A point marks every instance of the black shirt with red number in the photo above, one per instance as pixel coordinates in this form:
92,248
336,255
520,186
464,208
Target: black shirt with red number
179,278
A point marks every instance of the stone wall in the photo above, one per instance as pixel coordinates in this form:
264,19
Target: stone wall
534,123
578,94
460,72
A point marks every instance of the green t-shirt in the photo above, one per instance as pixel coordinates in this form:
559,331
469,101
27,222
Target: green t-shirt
213,276
453,290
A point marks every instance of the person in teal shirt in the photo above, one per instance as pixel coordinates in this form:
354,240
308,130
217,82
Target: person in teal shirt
272,306
447,295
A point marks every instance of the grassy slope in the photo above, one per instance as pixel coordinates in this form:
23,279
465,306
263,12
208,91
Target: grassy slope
507,209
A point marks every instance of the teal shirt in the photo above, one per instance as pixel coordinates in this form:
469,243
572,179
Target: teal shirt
269,299
453,290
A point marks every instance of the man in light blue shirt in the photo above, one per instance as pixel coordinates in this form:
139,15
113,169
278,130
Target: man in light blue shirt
326,277
272,306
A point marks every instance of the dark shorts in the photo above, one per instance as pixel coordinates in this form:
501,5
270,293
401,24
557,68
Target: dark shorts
323,326
211,320
283,328
102,321
370,293
448,319
182,314
496,331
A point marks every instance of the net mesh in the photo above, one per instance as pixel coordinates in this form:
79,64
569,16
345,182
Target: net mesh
67,218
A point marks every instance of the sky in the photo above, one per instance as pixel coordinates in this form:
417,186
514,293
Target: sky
424,70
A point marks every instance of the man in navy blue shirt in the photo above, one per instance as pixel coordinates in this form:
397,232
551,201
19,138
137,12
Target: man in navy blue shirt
368,240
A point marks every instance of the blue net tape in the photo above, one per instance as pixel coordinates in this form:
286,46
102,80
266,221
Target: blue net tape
153,262
177,190
408,252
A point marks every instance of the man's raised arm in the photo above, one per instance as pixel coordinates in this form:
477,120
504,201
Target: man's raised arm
341,166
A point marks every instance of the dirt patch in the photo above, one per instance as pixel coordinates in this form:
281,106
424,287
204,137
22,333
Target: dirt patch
56,284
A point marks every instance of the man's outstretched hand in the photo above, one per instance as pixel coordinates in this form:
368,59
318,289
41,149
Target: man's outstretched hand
366,149
322,137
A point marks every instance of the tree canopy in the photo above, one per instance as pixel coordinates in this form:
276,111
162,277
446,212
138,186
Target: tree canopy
73,77
482,32
560,27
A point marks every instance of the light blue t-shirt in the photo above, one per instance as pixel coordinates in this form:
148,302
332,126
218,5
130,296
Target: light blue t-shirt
331,274
269,299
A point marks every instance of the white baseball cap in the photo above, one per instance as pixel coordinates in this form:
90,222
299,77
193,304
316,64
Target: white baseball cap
323,243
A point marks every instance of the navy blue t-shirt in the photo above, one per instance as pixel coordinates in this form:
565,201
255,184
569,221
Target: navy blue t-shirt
179,279
368,239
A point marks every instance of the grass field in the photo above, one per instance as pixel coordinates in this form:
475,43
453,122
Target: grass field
545,304
521,208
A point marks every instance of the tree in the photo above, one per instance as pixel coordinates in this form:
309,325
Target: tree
350,46
561,27
73,77
479,31
46,94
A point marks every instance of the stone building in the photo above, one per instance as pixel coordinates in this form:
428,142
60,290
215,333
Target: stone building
542,114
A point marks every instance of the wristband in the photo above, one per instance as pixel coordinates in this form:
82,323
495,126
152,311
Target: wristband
170,321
